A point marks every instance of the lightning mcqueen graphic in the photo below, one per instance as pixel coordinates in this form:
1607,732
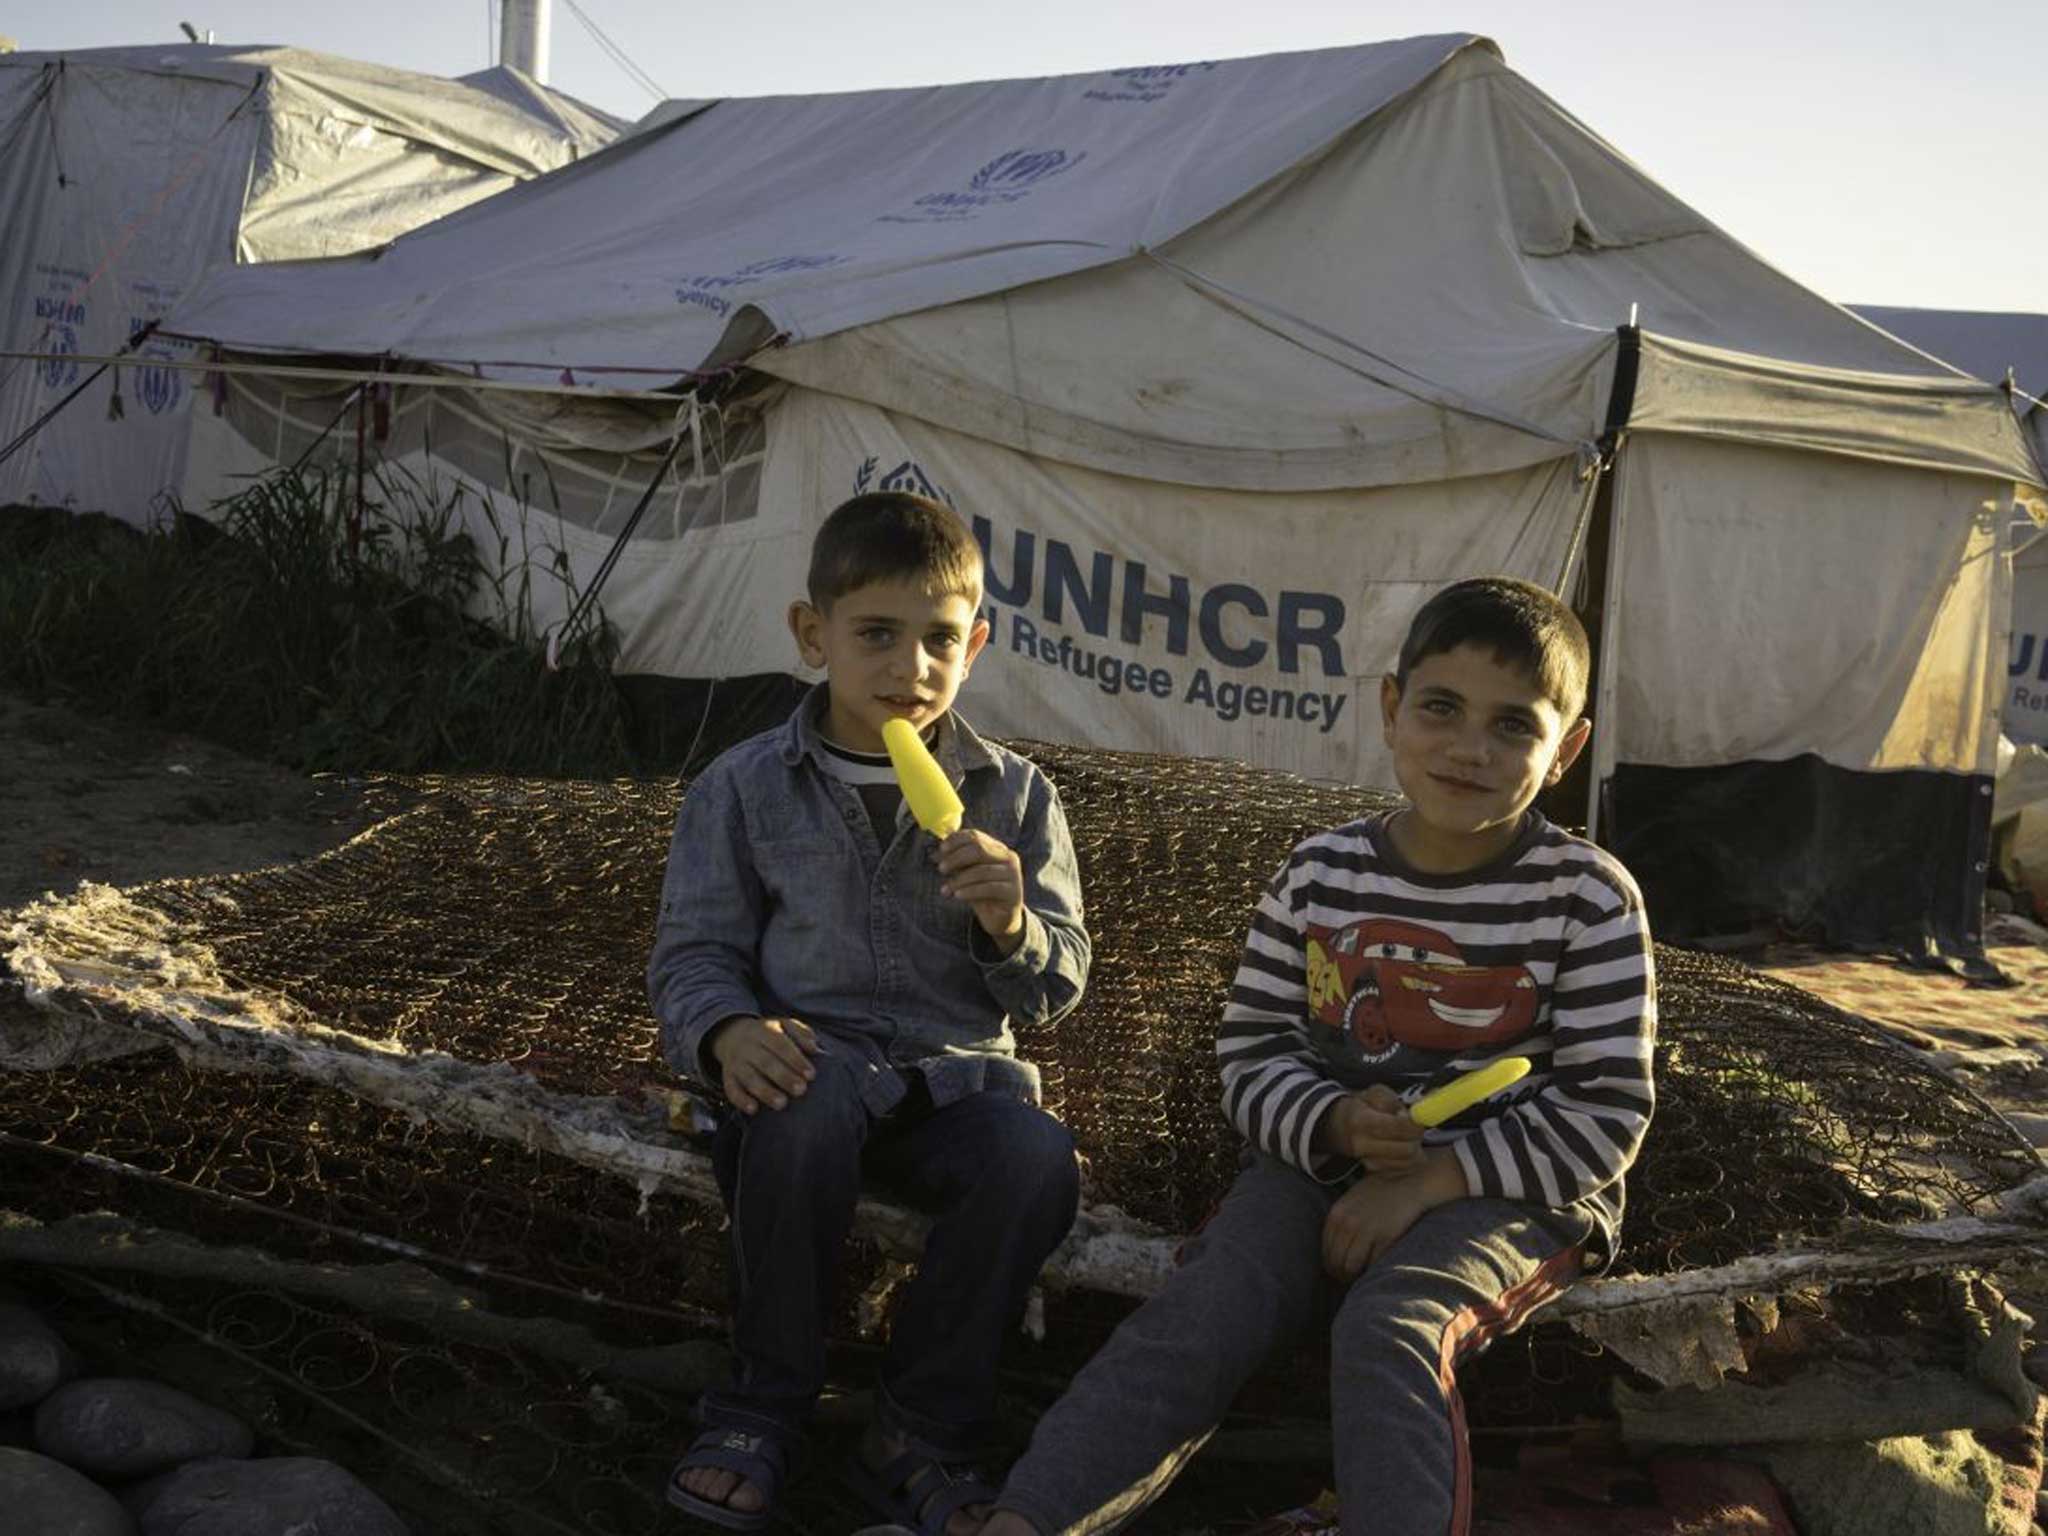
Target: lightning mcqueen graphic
1388,983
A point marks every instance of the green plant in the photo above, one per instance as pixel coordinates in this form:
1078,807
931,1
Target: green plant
278,628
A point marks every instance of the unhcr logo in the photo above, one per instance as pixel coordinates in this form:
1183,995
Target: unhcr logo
1020,169
159,389
59,370
1009,178
708,290
907,476
1147,83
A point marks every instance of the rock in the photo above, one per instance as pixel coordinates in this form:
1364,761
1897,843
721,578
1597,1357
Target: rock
2035,1364
34,1362
299,1494
113,1427
50,1499
1933,1485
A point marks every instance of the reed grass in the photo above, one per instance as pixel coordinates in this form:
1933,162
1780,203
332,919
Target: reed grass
268,627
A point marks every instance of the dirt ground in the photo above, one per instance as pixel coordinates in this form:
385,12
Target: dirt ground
86,797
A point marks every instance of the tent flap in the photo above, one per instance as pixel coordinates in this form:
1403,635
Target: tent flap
1925,422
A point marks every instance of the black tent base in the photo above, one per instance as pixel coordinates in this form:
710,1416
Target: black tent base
677,725
1886,862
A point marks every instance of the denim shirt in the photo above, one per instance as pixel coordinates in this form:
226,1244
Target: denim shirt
780,901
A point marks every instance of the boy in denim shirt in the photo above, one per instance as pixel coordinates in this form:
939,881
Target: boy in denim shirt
849,987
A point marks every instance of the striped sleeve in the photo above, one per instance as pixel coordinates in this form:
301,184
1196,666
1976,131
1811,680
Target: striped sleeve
1274,1090
1581,1132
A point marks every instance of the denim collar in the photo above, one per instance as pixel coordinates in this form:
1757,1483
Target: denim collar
959,750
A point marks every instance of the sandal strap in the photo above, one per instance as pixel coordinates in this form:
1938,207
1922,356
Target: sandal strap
931,1490
763,1459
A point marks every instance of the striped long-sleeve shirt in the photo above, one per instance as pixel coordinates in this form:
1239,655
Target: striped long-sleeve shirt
1359,969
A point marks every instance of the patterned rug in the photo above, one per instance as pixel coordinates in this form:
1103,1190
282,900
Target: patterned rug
1934,1009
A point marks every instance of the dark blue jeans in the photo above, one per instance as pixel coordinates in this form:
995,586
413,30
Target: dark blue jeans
999,1180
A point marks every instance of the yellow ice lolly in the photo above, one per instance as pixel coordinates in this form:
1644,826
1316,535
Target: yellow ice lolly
1456,1097
926,790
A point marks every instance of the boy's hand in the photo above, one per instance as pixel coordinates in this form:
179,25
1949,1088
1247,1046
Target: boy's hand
1373,1126
763,1062
1370,1216
989,877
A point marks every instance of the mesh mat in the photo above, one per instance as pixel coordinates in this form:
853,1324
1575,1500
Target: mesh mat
504,920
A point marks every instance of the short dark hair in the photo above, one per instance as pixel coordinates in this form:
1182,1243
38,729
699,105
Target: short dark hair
893,536
1520,622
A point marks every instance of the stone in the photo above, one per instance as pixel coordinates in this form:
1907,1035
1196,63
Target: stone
299,1494
117,1427
1932,1485
50,1499
34,1361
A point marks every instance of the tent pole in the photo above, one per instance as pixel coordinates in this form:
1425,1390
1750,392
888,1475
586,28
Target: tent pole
1607,683
1621,402
355,519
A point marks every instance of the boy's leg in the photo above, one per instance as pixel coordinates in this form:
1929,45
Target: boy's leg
999,1178
1462,1276
1248,1283
789,1177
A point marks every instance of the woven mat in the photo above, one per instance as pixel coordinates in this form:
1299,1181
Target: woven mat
1934,1009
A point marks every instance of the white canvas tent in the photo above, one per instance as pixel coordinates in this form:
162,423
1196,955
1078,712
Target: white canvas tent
1997,347
2025,715
1229,365
590,127
1985,344
125,172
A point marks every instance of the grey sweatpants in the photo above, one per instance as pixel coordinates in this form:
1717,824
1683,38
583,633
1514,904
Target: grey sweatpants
1251,1282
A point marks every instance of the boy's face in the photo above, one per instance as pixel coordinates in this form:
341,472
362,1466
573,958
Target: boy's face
890,650
1474,740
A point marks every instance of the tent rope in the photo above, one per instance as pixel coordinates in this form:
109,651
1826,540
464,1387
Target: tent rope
28,432
557,637
1590,466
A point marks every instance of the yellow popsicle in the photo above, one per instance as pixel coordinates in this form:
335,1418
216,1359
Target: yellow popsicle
926,790
1455,1097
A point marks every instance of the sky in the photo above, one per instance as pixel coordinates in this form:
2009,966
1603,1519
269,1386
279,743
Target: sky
1883,152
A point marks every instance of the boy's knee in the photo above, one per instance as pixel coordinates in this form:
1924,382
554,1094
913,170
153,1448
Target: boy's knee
1044,1148
1033,1162
818,1126
1375,1319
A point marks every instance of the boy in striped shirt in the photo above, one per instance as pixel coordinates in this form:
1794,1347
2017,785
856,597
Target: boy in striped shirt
1390,956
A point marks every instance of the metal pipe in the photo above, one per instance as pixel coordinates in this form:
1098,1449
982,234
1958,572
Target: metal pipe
523,42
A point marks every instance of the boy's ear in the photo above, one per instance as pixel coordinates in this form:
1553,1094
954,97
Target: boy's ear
804,623
1569,746
1390,702
977,638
